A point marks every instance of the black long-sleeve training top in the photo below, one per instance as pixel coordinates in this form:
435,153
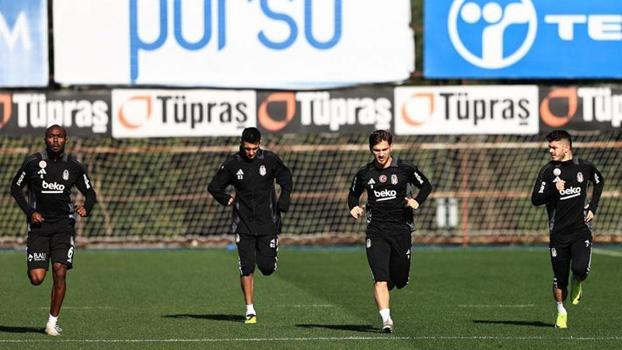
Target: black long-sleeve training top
256,209
566,209
49,182
387,189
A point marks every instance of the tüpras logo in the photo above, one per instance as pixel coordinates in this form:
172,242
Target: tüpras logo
323,109
385,194
488,24
53,187
41,111
319,108
188,111
589,104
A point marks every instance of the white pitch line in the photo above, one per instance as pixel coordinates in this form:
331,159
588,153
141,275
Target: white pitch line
497,305
308,305
607,252
82,307
301,339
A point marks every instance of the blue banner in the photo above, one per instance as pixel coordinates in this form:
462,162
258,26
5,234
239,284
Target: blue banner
23,43
523,39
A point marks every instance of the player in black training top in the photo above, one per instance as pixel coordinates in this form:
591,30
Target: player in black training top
562,185
389,215
256,208
50,214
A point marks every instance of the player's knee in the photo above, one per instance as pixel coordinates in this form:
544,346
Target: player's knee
35,280
267,268
580,273
560,283
401,284
246,270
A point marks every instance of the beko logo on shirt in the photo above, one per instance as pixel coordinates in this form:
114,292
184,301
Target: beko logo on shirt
570,192
385,194
53,187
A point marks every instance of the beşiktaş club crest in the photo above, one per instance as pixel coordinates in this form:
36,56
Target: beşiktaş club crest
394,179
65,174
262,170
42,165
580,177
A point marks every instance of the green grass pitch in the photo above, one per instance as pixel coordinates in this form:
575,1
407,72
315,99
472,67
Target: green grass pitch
318,298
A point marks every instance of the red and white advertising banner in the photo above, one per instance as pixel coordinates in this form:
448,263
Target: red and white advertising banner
181,113
451,110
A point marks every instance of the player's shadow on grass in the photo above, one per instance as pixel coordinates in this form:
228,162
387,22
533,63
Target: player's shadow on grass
517,323
213,317
365,328
12,329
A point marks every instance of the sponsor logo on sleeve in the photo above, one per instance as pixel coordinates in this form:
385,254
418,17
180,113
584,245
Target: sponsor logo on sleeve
87,183
21,178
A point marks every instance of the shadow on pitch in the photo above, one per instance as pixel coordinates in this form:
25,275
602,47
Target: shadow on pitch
517,323
365,328
213,317
10,329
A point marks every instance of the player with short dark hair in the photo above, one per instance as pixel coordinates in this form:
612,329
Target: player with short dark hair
562,185
256,209
390,220
50,214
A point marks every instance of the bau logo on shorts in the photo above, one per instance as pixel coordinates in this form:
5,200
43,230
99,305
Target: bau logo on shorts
37,257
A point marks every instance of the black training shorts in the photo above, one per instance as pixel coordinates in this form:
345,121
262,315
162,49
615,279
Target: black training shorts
55,241
575,256
257,250
388,255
